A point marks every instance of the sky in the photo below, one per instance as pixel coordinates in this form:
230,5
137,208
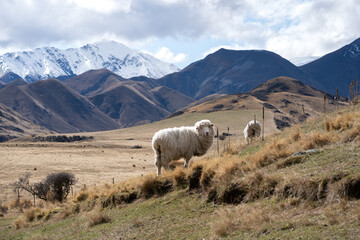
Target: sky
182,31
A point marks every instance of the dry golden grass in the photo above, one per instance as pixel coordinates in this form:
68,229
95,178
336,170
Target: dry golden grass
239,178
97,218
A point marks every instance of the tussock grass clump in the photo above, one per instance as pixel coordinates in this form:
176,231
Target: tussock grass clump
33,214
98,218
243,217
179,177
152,185
244,189
20,204
341,122
3,209
292,160
82,196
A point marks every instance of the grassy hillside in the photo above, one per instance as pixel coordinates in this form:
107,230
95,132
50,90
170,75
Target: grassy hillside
258,191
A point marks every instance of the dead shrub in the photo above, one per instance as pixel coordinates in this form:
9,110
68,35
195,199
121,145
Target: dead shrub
98,218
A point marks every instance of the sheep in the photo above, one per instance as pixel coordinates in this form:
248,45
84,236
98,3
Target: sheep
182,142
252,130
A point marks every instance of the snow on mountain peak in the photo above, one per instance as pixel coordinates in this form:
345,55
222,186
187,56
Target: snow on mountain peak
47,62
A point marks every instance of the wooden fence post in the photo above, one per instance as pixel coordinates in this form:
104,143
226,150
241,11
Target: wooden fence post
113,180
34,200
262,138
217,141
324,102
337,99
229,137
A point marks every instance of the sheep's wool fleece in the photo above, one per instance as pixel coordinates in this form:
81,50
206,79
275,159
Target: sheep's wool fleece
182,142
252,129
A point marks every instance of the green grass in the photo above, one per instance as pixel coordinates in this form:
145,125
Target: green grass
266,211
175,216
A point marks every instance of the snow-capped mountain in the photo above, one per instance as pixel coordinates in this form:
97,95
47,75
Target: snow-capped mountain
48,62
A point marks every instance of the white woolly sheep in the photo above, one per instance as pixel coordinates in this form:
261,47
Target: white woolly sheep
182,142
252,130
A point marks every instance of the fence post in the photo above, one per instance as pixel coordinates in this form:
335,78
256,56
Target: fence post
262,138
324,102
34,200
217,141
113,180
303,109
337,99
229,136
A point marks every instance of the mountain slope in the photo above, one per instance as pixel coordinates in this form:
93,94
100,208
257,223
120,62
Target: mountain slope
13,125
8,77
290,100
50,62
51,104
229,71
93,82
133,103
336,69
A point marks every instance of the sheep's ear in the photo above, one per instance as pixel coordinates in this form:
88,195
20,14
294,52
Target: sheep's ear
212,125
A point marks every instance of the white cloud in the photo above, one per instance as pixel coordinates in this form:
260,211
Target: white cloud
164,54
103,6
292,28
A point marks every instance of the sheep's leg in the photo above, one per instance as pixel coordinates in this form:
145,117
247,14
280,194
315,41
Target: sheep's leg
158,161
186,163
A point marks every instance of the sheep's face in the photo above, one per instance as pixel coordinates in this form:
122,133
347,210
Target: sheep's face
205,128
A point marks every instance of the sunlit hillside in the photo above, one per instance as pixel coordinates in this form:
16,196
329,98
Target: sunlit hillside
302,182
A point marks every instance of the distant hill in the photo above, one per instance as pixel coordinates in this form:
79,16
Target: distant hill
15,82
230,71
128,101
51,104
133,103
336,69
93,82
13,125
285,96
8,77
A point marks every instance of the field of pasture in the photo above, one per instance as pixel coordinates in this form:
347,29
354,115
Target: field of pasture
112,155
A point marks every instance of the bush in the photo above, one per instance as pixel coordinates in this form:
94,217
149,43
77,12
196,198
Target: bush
55,187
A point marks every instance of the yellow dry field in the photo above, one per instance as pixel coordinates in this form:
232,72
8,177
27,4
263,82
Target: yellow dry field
112,154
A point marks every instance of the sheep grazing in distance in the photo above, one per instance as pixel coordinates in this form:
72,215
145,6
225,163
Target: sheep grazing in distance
252,130
182,142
